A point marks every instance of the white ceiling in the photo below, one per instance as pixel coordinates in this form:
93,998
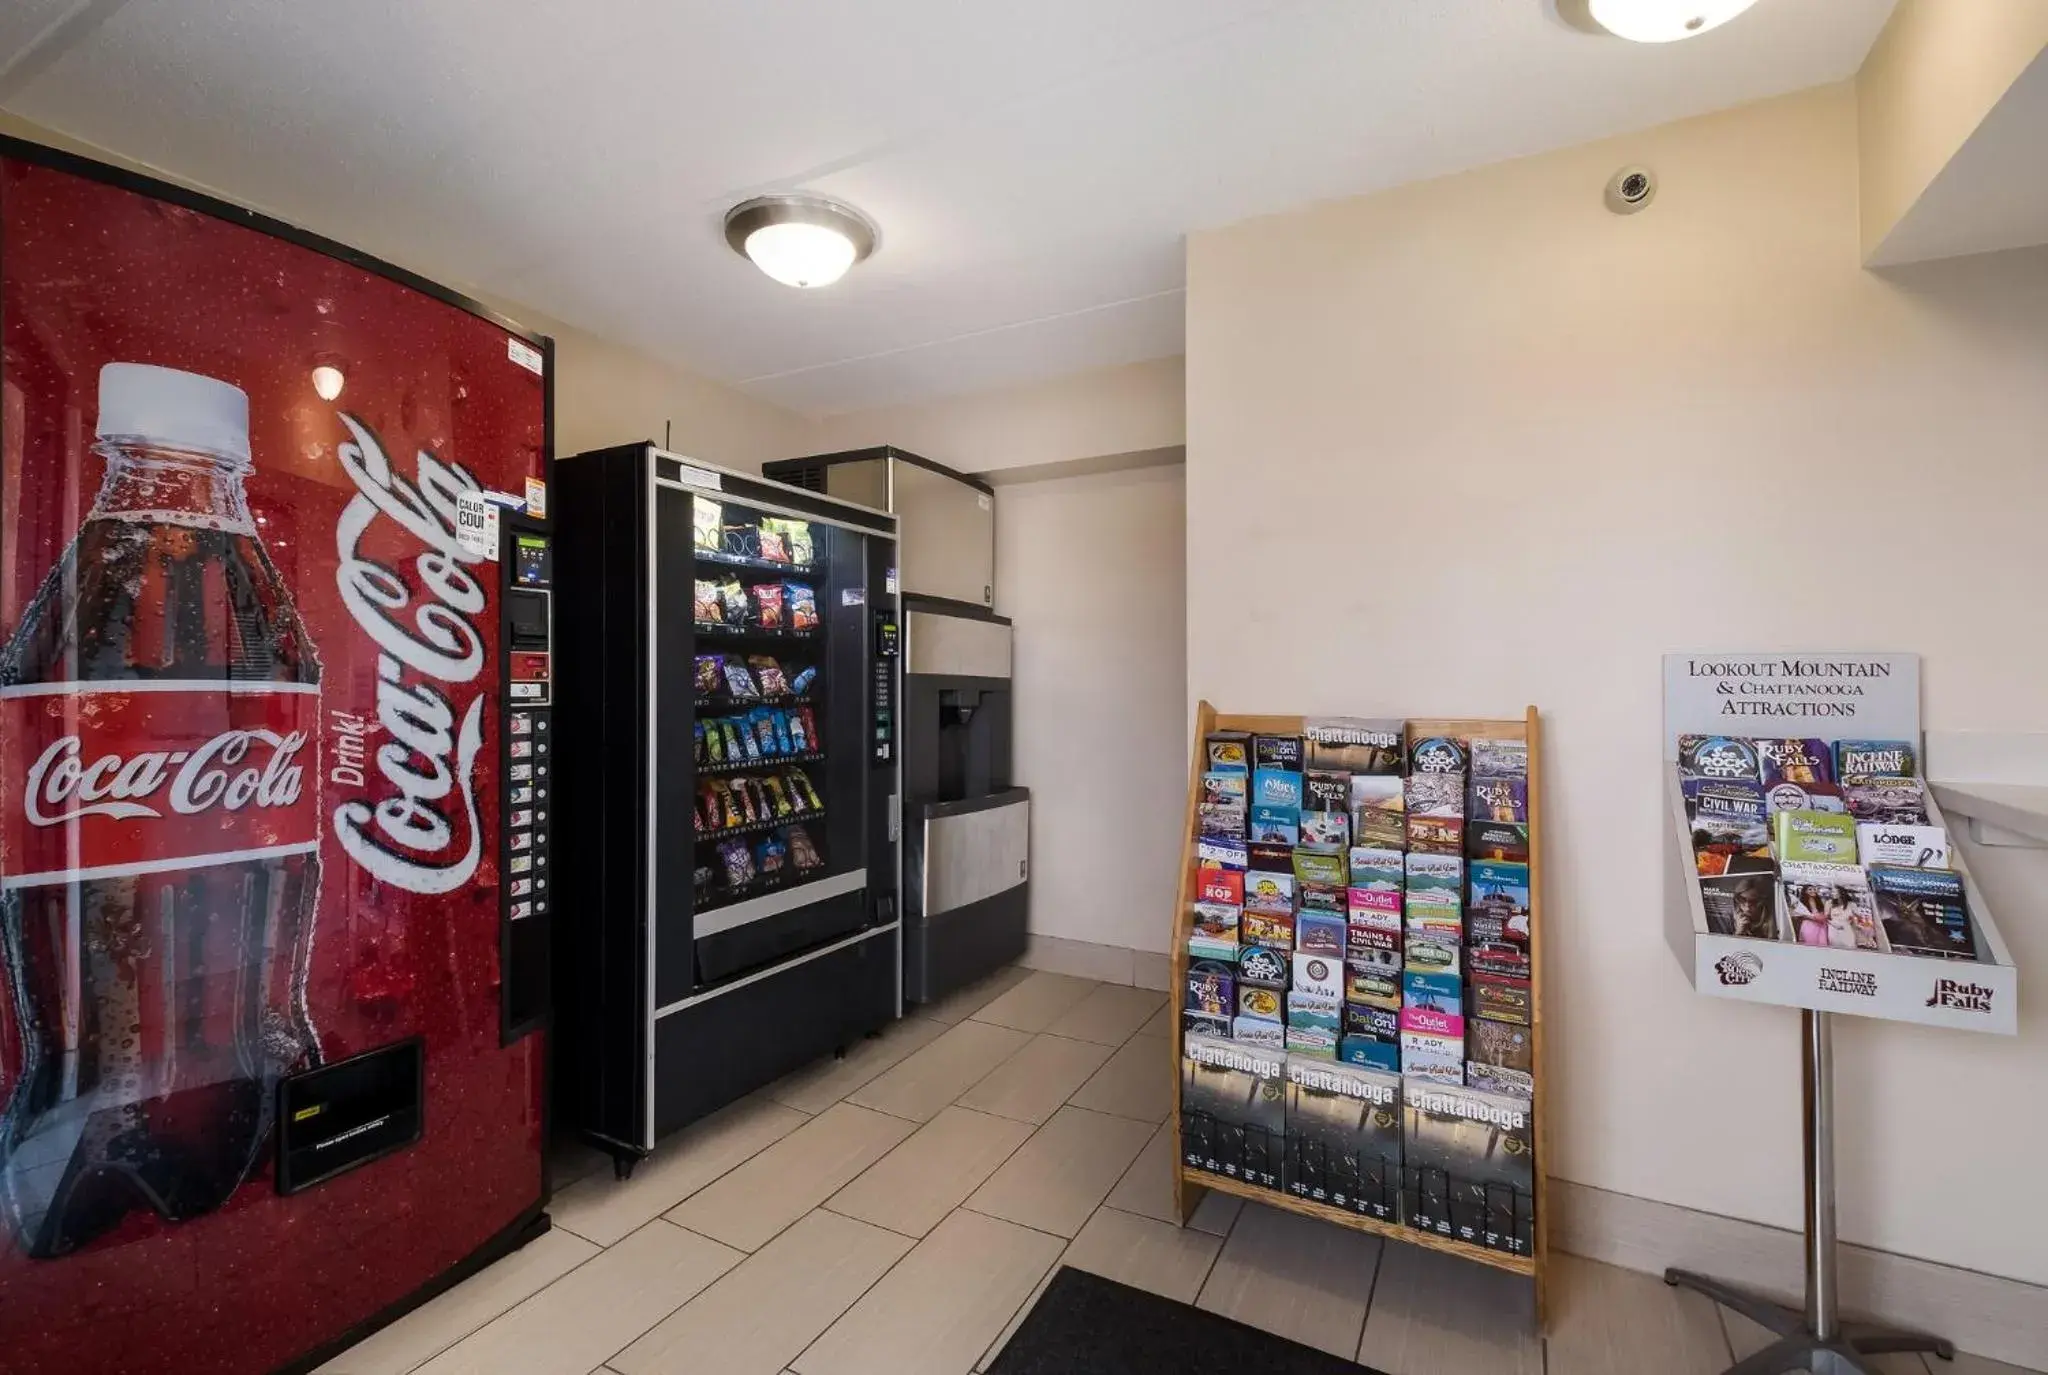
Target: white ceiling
1033,167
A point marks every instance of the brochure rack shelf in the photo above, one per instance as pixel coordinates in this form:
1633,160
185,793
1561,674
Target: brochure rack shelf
1191,1183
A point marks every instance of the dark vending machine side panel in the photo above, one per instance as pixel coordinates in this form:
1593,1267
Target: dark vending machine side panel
602,754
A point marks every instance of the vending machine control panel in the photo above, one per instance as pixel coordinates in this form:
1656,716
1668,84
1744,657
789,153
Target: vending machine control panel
527,806
885,686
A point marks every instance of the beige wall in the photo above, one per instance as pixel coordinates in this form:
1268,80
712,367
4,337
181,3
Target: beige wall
1137,407
1093,570
1476,443
605,393
1936,71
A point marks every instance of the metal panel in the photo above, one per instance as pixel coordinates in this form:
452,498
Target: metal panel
974,855
948,534
956,646
782,900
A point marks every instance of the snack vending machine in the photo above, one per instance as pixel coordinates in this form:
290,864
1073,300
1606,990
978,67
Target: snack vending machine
274,574
728,722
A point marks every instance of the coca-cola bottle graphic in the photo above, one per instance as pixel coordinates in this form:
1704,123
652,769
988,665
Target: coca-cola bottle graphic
159,865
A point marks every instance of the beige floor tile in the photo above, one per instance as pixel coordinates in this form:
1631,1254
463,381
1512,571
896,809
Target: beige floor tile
1434,1314
760,1198
581,1320
767,1309
1110,1015
912,1188
1147,1189
1160,1024
1144,1253
602,1209
817,1087
1031,1085
1136,1082
931,1078
1608,1321
1296,1277
995,1348
937,1312
438,1325
1966,1364
1745,1338
1059,1177
1037,1002
959,1006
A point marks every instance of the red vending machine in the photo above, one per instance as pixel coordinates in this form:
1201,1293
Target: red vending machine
275,584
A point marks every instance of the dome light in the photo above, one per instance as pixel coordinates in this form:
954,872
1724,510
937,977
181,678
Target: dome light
801,241
1664,21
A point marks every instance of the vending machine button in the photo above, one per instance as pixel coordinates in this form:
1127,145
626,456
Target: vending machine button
540,747
540,861
540,905
541,724
540,816
540,883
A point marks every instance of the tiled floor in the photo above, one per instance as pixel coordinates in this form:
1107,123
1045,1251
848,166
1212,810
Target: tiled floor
896,1212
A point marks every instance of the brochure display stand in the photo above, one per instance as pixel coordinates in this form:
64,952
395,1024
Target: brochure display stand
1397,1085
1810,867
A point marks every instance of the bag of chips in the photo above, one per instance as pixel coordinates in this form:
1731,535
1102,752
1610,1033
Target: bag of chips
767,604
798,533
802,852
710,673
778,799
801,684
785,743
799,734
771,856
774,547
734,597
740,683
738,862
709,607
802,604
707,523
768,674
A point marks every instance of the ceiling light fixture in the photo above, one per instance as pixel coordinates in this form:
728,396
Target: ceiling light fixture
802,241
1663,21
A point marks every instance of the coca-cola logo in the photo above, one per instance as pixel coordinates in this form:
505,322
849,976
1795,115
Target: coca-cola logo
62,786
423,833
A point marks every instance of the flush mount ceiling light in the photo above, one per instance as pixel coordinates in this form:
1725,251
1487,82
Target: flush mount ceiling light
802,241
1663,21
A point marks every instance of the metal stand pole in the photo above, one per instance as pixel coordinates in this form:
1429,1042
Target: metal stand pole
1817,1339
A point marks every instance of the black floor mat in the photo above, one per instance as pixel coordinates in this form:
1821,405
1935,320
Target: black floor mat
1087,1325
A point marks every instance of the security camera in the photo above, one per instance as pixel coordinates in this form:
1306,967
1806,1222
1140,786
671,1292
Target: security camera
1630,189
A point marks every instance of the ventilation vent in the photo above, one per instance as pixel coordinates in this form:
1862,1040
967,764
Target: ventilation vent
810,477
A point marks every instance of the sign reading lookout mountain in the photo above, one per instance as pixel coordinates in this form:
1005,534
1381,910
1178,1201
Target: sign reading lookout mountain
1869,696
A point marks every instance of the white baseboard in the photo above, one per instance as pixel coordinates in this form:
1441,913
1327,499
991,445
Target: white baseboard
1986,1315
1110,964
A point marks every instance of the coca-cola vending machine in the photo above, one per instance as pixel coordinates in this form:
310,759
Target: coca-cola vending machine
275,584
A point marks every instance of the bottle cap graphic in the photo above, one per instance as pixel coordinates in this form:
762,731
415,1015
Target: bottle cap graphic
181,410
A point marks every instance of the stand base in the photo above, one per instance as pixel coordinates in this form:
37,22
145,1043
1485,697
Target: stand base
1797,1348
